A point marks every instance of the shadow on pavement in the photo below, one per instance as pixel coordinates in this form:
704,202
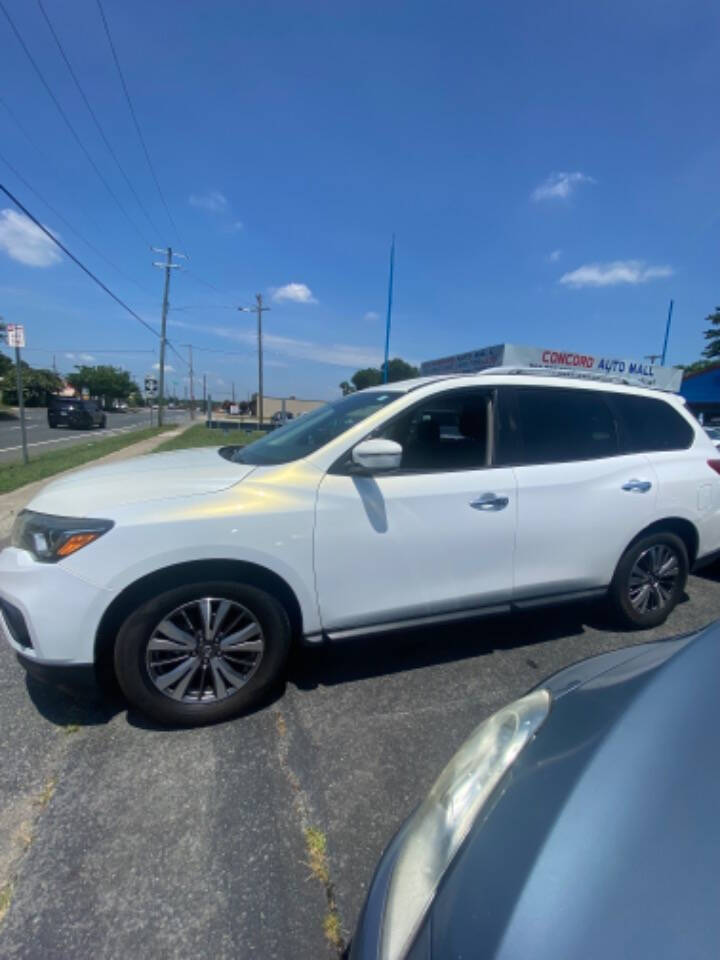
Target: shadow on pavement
411,650
64,708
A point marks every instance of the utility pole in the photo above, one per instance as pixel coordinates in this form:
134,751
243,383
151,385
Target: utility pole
259,310
233,391
167,266
204,390
192,382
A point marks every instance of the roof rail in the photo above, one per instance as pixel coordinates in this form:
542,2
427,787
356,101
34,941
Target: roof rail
572,375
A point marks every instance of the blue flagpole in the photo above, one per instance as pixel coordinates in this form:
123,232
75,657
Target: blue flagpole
667,334
389,310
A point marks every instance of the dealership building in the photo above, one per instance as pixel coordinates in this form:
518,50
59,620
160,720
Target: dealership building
602,365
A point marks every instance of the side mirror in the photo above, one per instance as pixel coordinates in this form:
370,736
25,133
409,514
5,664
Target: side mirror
377,455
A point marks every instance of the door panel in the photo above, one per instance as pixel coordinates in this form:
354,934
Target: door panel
412,544
575,520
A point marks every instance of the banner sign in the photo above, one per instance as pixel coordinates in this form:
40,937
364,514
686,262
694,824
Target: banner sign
512,355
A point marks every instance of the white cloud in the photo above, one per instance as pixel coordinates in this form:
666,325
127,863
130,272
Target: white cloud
235,227
554,256
335,354
614,273
212,201
24,242
560,186
168,368
371,316
84,357
295,292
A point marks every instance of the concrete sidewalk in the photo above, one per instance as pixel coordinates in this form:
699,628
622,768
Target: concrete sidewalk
11,503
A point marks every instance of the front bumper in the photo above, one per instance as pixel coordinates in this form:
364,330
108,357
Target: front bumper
61,612
73,677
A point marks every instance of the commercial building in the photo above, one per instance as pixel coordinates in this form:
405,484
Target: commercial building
293,405
513,355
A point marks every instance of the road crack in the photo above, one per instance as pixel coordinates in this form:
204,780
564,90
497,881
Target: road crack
315,841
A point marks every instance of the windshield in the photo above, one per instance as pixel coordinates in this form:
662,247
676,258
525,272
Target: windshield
306,434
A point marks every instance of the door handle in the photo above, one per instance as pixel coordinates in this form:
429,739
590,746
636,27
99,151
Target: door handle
637,486
489,501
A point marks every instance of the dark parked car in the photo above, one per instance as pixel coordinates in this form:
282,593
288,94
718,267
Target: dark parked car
579,822
75,413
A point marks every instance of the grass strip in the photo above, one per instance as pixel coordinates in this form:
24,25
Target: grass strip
14,475
202,436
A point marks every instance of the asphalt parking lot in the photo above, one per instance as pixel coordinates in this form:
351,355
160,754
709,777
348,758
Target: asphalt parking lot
128,840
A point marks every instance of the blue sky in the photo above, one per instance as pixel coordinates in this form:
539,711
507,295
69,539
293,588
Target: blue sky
551,172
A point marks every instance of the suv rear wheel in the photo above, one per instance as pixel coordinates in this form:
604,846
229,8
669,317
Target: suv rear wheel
649,580
202,652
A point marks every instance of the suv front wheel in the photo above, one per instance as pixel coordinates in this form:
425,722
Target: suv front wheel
649,580
202,652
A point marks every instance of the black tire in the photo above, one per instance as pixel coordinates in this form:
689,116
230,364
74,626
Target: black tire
52,424
103,422
131,653
663,592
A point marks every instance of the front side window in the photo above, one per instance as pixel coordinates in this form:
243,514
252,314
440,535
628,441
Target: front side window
304,435
448,431
558,425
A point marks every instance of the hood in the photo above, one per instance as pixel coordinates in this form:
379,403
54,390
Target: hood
157,476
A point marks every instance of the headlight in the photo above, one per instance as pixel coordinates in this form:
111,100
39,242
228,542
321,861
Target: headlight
438,827
50,539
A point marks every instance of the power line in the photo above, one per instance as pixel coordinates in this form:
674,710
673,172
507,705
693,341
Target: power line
22,128
205,283
70,127
101,131
70,227
135,121
75,260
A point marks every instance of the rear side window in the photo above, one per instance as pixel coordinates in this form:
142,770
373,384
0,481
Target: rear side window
557,425
651,425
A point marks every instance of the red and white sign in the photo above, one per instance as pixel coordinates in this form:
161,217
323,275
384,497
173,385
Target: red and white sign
509,355
15,335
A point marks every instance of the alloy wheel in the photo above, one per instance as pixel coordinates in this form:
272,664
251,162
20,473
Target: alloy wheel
653,578
204,650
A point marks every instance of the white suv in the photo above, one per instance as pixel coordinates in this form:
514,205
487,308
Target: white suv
191,573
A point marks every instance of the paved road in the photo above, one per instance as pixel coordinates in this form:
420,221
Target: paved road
42,439
152,843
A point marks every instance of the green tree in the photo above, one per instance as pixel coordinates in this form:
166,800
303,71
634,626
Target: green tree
367,377
104,382
37,384
373,376
400,370
712,335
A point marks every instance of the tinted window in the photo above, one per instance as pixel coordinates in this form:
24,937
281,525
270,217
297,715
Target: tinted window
445,432
557,425
652,424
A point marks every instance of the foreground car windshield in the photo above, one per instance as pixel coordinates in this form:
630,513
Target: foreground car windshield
304,436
